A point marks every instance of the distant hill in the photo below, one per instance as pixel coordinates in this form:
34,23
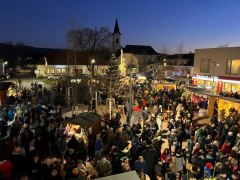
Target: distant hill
12,53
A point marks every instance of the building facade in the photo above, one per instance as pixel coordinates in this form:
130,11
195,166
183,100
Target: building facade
69,70
217,69
137,55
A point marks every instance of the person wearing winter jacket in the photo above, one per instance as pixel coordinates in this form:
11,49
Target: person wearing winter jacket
179,163
226,148
166,159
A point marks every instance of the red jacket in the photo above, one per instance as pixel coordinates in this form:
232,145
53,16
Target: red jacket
164,158
225,148
6,167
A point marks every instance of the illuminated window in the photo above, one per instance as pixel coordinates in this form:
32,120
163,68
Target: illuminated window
205,66
233,66
59,71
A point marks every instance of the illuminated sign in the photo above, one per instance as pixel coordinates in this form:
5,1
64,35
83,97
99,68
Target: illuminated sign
206,77
60,66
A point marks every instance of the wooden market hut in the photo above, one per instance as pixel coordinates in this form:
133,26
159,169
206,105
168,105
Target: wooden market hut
3,93
86,120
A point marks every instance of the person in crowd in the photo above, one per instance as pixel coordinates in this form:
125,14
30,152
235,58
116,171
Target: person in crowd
179,163
166,159
98,146
125,165
150,156
141,166
190,146
103,167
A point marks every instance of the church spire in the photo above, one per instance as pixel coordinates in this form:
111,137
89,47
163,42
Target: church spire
116,28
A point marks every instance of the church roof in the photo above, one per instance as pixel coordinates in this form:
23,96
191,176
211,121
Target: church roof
116,28
139,50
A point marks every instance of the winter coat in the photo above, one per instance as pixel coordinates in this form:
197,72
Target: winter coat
226,149
207,172
166,158
150,158
98,146
141,166
179,162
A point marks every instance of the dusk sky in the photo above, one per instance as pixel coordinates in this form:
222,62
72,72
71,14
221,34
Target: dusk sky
192,23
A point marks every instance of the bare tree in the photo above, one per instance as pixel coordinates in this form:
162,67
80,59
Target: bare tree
164,51
88,43
163,60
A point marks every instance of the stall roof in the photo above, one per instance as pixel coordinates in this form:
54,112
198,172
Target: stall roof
84,119
197,89
230,99
128,175
200,90
90,116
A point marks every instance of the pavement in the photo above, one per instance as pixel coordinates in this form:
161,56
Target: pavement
201,121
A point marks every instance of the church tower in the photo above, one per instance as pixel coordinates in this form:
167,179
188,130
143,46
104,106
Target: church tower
116,37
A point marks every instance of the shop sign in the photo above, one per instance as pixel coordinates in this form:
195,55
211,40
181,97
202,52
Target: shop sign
207,77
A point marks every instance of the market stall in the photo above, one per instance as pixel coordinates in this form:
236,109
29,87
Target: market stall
168,86
78,125
226,104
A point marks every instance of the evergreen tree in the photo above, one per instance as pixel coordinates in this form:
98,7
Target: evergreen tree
112,80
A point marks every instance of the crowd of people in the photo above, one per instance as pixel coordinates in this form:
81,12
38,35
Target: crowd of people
35,144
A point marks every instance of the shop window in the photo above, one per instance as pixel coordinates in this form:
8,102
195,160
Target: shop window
233,66
205,66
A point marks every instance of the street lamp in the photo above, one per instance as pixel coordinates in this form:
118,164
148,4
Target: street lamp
131,67
91,86
46,64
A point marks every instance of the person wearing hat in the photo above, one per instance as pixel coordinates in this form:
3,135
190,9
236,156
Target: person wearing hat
208,170
103,167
